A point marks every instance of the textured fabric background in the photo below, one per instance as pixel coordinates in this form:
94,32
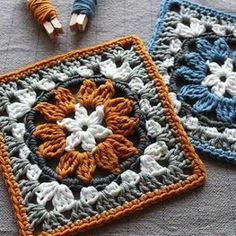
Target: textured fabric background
208,211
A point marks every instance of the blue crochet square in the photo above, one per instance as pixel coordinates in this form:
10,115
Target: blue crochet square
194,48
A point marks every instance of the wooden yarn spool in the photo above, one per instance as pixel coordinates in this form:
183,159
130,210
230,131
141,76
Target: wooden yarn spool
82,9
46,15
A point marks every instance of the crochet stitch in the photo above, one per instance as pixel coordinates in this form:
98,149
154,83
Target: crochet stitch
90,136
86,130
194,50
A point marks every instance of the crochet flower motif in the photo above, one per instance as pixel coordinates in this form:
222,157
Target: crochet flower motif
85,141
222,78
109,69
210,79
85,130
195,28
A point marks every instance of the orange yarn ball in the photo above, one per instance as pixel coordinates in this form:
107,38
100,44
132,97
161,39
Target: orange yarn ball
42,10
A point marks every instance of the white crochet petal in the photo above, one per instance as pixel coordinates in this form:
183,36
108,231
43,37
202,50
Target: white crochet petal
156,150
197,27
175,101
63,199
219,89
166,78
99,131
153,128
27,96
211,132
130,177
70,124
85,72
150,166
191,123
122,73
89,195
96,117
210,80
18,131
219,29
231,84
109,69
183,30
136,84
214,67
145,105
169,62
228,66
73,140
17,110
46,84
33,172
113,188
24,152
231,76
80,113
234,33
230,134
88,142
45,192
61,196
175,45
62,76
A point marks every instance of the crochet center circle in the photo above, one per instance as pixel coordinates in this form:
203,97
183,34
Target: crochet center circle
84,126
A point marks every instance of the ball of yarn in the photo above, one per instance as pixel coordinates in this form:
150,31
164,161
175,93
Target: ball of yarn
86,7
42,10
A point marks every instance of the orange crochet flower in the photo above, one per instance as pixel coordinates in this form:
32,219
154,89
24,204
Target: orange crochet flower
86,141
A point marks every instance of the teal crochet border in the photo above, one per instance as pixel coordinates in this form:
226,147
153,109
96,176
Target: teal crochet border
164,8
201,148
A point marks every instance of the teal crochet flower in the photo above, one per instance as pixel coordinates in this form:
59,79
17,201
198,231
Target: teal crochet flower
210,79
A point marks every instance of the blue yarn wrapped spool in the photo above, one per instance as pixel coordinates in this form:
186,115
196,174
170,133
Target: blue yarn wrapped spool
86,7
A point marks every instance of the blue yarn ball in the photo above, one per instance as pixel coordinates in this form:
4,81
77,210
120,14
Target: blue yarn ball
86,7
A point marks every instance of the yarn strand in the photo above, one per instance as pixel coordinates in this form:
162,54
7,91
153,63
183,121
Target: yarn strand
86,7
42,10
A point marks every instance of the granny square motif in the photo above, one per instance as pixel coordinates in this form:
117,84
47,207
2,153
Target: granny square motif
90,136
194,49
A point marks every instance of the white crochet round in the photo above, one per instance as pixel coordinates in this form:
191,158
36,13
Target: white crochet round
85,129
222,78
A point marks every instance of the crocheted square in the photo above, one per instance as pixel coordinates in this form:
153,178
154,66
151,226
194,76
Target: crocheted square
90,136
194,50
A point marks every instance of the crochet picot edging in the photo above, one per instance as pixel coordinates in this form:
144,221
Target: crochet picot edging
194,49
90,136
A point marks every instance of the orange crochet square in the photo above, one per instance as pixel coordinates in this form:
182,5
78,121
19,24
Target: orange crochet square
90,136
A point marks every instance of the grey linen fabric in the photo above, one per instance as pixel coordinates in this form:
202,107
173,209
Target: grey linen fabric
208,211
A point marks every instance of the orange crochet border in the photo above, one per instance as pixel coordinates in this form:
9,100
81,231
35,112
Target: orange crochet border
198,170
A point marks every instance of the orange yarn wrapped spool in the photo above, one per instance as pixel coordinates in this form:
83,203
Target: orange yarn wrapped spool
42,10
45,14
